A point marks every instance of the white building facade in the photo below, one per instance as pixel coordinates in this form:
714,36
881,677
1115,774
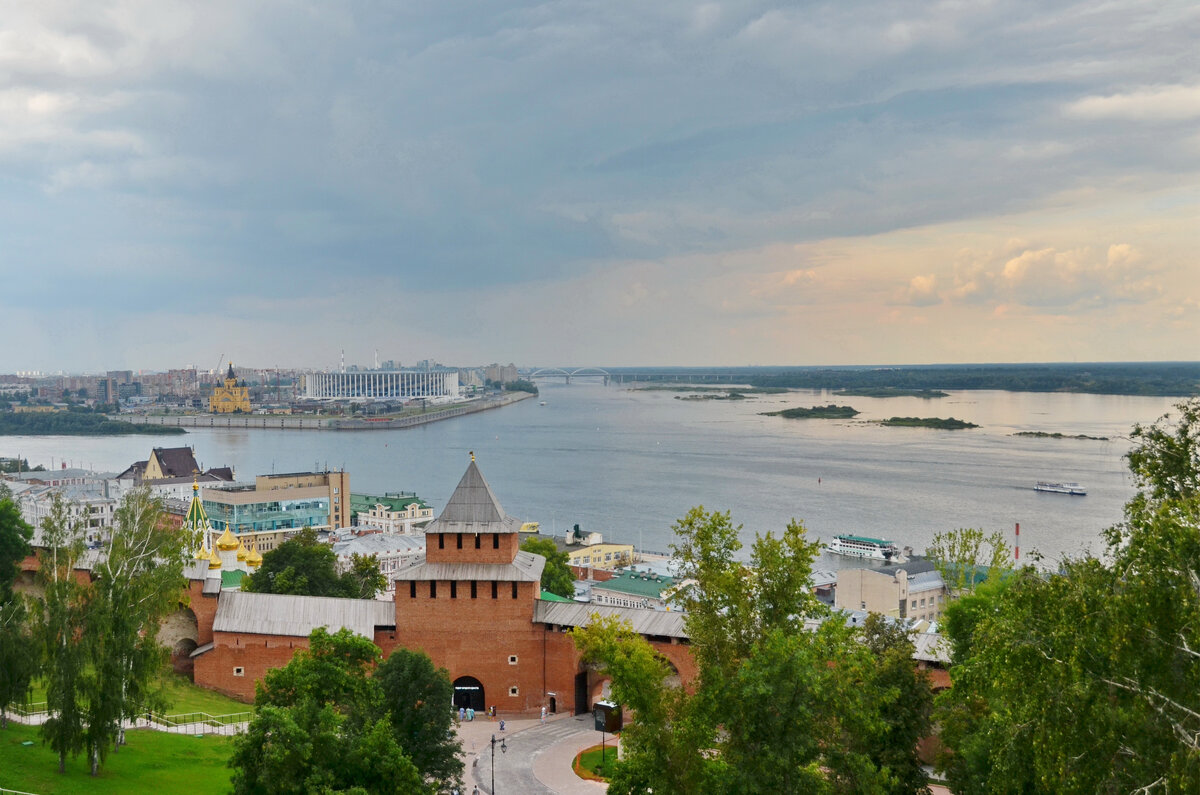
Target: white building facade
434,385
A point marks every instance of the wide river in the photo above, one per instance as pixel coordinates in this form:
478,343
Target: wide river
629,462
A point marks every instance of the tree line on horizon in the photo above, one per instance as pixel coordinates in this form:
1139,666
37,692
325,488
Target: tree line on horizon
1165,379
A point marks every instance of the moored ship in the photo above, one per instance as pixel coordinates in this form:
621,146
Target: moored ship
1055,487
863,547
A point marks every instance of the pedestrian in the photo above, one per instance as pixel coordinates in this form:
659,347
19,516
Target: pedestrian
501,724
470,713
462,713
475,791
543,714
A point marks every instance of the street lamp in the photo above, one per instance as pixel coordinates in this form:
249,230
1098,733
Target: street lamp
503,750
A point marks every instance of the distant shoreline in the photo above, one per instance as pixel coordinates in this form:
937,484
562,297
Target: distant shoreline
315,423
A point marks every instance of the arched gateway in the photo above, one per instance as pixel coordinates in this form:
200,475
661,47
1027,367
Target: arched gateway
468,693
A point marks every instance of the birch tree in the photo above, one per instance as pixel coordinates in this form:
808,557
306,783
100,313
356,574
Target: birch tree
138,580
58,631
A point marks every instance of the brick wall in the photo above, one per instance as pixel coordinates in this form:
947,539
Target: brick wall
493,547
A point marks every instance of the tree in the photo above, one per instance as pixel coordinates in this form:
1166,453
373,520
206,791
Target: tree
904,704
364,579
322,725
785,700
15,533
417,696
136,583
1088,679
304,566
57,630
18,662
556,576
966,557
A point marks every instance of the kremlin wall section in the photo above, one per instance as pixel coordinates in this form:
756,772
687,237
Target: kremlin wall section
521,664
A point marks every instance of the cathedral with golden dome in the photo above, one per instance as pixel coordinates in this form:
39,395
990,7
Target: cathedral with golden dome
231,398
226,553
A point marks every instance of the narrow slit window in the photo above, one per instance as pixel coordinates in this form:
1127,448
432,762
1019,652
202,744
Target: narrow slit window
433,589
495,540
495,590
441,540
473,594
459,540
412,590
514,585
454,589
477,540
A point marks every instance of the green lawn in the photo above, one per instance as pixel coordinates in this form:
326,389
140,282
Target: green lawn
182,695
150,762
589,760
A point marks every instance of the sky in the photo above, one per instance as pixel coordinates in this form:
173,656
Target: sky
617,182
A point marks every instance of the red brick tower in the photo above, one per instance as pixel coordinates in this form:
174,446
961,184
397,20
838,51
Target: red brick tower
470,604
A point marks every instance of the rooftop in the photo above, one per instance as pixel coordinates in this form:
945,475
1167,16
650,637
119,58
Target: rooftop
298,616
637,583
473,508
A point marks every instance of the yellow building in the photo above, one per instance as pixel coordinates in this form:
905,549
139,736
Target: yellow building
229,398
601,556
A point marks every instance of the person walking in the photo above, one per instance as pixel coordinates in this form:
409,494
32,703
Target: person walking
543,714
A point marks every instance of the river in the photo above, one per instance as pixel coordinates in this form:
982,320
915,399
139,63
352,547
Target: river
629,462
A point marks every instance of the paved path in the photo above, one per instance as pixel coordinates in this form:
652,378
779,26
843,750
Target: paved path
538,759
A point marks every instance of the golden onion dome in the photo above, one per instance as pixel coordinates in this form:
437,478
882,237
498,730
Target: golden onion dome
214,562
241,548
227,542
254,559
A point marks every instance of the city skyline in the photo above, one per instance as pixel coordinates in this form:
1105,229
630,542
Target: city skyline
615,183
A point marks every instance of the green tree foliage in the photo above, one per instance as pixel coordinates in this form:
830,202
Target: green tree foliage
364,579
303,566
1088,679
71,423
136,583
784,702
521,385
556,576
18,662
58,632
417,694
14,543
967,556
324,724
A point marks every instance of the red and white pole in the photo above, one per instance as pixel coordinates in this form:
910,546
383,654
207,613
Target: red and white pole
1017,548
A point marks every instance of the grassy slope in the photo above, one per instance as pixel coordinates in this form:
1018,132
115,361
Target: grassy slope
182,695
151,762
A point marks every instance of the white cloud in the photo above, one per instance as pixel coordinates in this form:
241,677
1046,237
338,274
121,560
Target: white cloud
1160,103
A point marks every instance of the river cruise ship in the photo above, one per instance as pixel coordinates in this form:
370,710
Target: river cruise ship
863,547
1060,488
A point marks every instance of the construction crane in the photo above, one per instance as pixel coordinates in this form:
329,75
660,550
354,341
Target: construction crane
220,359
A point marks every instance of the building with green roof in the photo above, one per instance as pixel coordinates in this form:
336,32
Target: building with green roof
633,588
394,512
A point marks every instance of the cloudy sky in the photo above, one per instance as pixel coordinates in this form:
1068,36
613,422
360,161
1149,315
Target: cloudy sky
598,183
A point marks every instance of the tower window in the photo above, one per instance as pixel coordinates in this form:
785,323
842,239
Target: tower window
495,590
454,589
441,540
514,585
412,590
433,589
460,540
495,540
473,594
477,540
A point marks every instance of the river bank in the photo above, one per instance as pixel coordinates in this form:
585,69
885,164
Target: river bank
319,423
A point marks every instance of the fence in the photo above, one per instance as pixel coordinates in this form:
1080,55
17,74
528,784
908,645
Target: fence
182,723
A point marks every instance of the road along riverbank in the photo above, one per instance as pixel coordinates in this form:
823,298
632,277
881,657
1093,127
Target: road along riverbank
310,422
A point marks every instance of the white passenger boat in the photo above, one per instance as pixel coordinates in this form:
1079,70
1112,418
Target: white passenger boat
1055,487
863,547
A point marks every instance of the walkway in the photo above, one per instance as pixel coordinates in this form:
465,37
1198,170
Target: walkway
538,759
